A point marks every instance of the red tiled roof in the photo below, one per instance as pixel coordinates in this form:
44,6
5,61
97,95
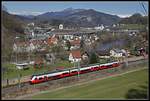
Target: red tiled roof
51,40
39,42
76,54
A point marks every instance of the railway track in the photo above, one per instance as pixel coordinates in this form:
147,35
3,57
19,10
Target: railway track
25,88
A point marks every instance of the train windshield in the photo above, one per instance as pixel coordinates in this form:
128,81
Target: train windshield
33,77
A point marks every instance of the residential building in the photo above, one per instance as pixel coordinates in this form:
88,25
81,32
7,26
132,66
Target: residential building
85,56
75,44
52,40
75,56
61,26
117,53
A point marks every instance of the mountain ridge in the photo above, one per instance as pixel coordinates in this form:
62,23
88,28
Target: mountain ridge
80,17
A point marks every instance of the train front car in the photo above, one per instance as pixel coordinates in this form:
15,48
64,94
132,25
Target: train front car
116,64
32,80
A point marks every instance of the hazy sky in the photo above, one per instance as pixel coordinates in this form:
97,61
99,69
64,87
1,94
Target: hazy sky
120,8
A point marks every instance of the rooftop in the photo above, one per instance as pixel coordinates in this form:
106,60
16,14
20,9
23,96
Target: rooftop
76,54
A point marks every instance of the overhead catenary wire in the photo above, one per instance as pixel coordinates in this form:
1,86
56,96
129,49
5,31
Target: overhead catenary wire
143,7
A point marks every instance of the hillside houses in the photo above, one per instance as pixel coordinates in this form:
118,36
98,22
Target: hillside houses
72,40
119,53
29,46
64,34
34,44
35,32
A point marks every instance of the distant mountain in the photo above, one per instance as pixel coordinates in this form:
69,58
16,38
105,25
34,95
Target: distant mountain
73,18
92,18
25,18
29,16
57,15
80,17
136,18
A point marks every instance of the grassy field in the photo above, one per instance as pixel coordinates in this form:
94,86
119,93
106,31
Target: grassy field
109,88
13,72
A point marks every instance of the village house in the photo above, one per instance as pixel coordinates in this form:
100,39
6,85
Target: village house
64,34
75,56
29,46
118,53
36,45
75,44
64,44
85,56
52,40
88,42
22,66
19,47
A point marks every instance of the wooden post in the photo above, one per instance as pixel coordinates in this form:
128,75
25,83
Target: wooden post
7,82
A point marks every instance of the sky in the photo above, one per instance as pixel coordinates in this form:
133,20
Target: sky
120,8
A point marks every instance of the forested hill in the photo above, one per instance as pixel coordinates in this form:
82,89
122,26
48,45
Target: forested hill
11,27
135,19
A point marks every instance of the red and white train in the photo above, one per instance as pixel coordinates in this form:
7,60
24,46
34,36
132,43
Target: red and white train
70,72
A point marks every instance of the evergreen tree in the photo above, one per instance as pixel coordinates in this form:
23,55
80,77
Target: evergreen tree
93,58
68,45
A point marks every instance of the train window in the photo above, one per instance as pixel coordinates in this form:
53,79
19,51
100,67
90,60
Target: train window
40,78
88,70
95,67
110,66
102,67
65,73
73,71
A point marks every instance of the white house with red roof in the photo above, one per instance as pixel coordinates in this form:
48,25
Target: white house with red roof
75,56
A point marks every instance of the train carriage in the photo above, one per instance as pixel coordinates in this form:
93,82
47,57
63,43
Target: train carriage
70,72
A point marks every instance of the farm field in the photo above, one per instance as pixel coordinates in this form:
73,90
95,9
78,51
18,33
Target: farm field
133,84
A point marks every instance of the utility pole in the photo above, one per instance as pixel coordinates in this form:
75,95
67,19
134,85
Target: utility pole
126,61
19,75
7,79
78,63
78,66
19,78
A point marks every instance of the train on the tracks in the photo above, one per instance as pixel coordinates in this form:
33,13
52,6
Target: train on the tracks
71,72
